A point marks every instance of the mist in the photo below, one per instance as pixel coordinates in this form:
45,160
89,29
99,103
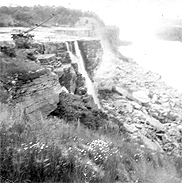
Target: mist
155,33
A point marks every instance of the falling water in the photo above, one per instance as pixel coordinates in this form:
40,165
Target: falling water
81,69
67,46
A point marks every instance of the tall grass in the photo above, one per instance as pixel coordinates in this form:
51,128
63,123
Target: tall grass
51,150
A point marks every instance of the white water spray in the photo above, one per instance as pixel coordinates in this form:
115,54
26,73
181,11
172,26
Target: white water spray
81,69
67,46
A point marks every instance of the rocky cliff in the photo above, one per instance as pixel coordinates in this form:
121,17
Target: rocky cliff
148,108
42,94
57,71
36,90
140,116
92,52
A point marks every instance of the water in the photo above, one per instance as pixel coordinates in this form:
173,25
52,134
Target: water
67,46
81,69
161,56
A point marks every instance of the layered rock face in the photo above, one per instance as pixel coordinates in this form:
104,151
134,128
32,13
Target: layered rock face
35,91
63,60
41,94
92,54
39,90
91,51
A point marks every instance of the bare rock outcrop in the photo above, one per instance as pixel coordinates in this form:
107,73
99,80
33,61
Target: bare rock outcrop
38,94
57,66
28,84
41,94
92,52
56,53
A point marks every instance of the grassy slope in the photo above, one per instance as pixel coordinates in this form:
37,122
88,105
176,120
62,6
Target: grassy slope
52,150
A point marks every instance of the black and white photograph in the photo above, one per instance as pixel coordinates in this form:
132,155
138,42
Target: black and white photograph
90,91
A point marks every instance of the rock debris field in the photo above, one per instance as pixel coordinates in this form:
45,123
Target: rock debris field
149,109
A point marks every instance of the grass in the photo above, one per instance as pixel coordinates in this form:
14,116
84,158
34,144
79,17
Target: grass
52,151
14,72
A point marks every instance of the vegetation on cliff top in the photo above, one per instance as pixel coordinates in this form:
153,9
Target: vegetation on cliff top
30,16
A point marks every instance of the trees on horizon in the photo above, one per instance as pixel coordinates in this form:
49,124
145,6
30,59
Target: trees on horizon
23,16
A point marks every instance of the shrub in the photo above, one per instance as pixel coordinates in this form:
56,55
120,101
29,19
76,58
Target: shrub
52,150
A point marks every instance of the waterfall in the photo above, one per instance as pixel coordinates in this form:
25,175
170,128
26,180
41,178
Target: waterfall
67,46
81,69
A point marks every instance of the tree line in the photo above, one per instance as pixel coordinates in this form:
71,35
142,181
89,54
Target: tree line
23,16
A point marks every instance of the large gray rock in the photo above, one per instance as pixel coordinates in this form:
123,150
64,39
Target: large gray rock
120,91
153,145
155,123
141,96
40,94
46,58
68,79
123,106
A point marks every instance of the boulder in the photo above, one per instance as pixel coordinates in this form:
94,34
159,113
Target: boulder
153,145
141,96
136,105
155,123
46,59
123,106
131,128
68,79
120,91
105,84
